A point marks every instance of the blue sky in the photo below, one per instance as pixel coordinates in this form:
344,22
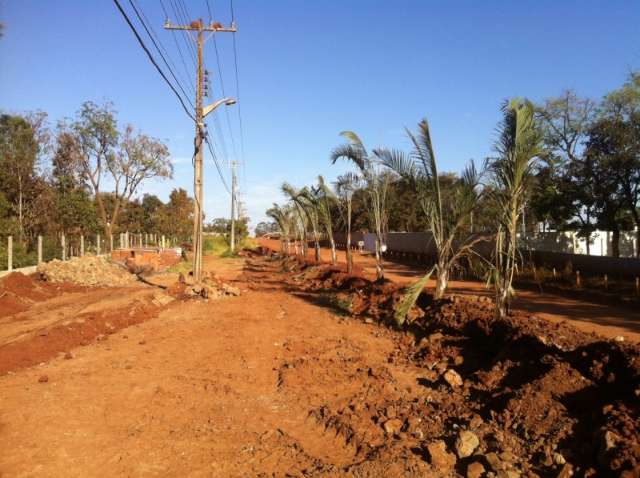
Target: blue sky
310,69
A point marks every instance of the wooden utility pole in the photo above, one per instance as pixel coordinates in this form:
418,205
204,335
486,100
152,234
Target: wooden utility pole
200,28
232,242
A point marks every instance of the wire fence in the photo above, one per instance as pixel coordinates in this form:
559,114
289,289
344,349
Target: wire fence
29,252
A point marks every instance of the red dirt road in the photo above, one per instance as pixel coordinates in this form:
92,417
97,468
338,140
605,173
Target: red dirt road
605,320
196,391
276,383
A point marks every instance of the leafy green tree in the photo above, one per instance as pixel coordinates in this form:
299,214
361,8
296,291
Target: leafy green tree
177,219
126,159
18,154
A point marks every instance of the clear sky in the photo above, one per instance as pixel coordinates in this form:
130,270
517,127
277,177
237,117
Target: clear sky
310,69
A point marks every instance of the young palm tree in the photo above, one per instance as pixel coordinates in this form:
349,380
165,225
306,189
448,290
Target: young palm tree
303,199
285,220
448,211
376,185
346,185
324,198
519,143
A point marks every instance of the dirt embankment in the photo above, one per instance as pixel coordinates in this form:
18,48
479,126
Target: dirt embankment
508,397
40,319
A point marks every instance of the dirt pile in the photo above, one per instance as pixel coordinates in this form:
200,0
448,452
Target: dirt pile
87,270
509,397
212,287
19,291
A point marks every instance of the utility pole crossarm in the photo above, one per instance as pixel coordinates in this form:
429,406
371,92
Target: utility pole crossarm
199,26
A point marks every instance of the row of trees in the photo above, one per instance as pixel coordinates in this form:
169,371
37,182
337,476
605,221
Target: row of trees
544,156
82,176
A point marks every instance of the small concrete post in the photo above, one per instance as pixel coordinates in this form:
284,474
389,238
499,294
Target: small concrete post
81,245
163,243
97,244
64,248
111,242
39,249
140,240
10,253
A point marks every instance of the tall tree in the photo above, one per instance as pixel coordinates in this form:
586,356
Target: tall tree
126,160
18,154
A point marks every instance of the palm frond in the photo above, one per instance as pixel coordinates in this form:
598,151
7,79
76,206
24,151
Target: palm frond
409,299
397,161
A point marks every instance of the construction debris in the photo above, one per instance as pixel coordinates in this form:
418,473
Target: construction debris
87,270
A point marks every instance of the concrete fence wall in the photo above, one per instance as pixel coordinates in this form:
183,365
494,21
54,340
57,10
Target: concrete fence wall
419,245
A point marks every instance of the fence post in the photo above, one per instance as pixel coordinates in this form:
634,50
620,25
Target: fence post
64,248
10,253
97,244
111,242
163,242
81,245
578,281
39,249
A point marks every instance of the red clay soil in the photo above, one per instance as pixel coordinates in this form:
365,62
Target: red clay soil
30,340
284,381
590,316
536,392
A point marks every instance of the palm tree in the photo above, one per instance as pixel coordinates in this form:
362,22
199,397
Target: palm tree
283,216
376,185
519,143
324,198
346,185
303,199
448,211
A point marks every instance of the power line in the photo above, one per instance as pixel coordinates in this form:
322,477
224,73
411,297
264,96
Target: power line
146,50
175,40
235,61
160,52
215,161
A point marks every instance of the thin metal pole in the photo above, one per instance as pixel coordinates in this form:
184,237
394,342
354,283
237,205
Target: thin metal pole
10,253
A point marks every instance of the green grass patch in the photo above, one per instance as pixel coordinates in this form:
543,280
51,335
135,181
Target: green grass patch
218,246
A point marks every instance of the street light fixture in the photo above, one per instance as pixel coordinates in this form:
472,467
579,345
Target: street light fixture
224,101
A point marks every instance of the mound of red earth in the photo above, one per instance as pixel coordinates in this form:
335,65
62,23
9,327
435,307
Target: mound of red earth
509,397
18,292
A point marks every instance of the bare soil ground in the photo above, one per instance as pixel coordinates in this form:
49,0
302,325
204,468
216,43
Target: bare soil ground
281,381
608,320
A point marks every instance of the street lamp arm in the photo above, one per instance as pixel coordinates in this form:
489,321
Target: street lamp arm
208,109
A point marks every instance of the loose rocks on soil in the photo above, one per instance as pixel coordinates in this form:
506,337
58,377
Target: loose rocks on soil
87,270
517,396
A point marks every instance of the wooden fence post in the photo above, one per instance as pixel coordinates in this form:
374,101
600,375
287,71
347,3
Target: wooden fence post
97,244
39,249
10,253
81,245
64,248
